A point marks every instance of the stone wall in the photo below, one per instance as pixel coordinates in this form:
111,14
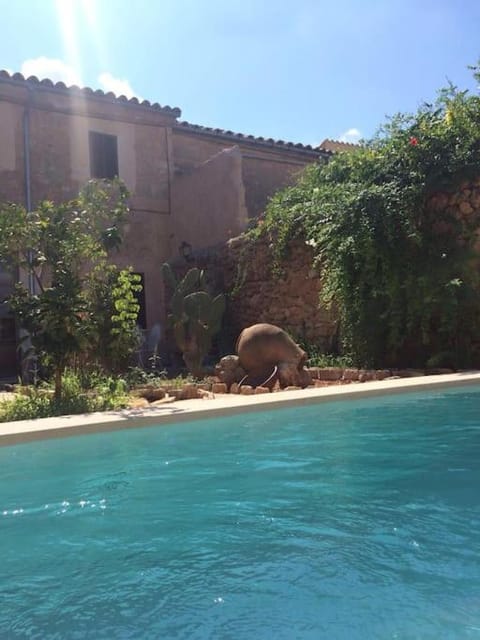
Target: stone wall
462,203
289,300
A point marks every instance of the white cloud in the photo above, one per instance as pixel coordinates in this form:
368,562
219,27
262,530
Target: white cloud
59,71
118,86
351,135
51,68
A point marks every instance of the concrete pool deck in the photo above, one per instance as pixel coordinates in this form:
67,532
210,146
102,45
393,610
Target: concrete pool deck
222,405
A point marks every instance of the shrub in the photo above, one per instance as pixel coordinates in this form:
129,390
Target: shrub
63,249
402,273
100,393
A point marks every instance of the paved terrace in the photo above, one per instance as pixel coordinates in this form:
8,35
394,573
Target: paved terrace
221,405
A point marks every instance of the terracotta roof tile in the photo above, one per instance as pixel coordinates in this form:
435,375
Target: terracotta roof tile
334,146
267,142
323,149
98,93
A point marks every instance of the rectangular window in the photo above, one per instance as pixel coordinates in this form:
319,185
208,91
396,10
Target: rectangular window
140,296
103,155
7,331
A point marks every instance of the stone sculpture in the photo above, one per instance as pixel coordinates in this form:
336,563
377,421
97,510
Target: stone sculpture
228,370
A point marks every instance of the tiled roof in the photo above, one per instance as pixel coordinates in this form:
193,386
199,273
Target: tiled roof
334,146
172,111
87,91
242,137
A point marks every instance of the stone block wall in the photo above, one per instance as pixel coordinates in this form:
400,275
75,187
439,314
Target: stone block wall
462,203
291,299
257,294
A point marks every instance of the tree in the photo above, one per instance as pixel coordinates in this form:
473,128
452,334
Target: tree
59,249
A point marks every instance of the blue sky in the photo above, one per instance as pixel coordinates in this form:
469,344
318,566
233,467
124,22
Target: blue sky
299,70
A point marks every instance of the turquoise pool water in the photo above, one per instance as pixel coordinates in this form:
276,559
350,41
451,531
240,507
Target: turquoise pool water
341,520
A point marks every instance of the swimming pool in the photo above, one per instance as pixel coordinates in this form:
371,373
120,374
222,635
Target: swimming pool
357,519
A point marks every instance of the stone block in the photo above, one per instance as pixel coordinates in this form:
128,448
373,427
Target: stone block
189,392
219,387
409,373
351,374
330,373
246,390
436,371
466,208
259,390
138,403
177,393
235,388
366,375
382,374
204,393
229,362
150,393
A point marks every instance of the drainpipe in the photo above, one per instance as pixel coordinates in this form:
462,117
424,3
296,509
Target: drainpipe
27,172
27,363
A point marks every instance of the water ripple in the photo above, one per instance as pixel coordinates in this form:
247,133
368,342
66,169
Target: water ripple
354,521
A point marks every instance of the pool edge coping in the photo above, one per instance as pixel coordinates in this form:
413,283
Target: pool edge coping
24,431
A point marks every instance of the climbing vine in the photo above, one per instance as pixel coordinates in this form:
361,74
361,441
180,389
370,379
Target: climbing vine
400,263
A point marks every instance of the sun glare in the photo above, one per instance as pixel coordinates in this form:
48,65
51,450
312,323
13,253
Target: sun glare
73,16
66,18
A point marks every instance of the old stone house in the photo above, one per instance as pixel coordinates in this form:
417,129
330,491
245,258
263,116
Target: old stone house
192,187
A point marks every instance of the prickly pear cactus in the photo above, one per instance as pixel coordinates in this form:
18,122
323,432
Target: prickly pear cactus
195,315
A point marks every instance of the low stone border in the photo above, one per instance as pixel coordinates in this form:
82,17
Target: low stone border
225,404
149,395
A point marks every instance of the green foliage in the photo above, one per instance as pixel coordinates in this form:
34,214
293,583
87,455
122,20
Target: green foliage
316,356
136,377
180,381
61,237
316,359
62,249
113,311
195,316
401,268
79,395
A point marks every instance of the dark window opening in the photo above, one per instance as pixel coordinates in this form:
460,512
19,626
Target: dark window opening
7,331
140,296
103,155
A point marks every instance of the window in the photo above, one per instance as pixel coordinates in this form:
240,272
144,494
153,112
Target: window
7,331
140,296
103,155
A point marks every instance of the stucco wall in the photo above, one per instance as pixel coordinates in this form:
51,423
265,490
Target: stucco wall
59,126
11,153
264,169
185,186
208,203
263,176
